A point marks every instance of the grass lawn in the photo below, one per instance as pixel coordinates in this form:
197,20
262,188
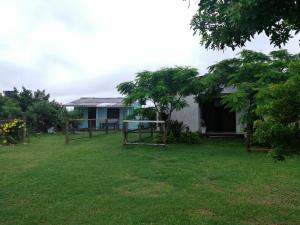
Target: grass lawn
98,181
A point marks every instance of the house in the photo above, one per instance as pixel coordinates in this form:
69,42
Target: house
217,119
97,110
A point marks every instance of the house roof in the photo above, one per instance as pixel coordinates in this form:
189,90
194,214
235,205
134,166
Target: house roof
97,102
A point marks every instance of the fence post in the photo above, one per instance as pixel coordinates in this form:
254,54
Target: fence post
106,126
125,132
90,129
151,130
248,140
24,134
164,133
67,133
139,128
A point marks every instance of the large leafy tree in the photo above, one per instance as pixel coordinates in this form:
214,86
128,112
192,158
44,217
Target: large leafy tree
243,74
26,98
41,113
165,88
8,108
232,23
279,112
248,75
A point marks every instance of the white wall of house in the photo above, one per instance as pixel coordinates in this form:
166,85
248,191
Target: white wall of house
190,115
239,126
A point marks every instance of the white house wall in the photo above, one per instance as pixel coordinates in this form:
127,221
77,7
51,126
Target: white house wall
189,115
239,127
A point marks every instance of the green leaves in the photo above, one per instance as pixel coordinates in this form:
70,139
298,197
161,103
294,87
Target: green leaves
235,101
278,106
266,88
165,88
232,23
8,108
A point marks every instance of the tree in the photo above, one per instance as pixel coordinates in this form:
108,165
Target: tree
39,95
232,23
249,75
279,112
25,98
243,74
165,88
148,113
8,108
40,111
44,114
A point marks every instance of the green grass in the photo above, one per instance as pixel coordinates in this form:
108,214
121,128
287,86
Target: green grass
98,181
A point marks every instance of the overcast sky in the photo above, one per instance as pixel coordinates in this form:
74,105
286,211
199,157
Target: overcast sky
84,48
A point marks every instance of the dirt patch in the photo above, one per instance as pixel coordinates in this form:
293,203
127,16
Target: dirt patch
144,188
204,212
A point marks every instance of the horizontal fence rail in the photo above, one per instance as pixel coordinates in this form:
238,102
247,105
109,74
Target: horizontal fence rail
99,125
150,127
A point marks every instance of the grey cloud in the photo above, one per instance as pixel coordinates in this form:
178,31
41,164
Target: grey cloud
13,75
70,13
84,60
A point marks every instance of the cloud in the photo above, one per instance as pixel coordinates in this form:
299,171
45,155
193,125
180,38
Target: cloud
86,47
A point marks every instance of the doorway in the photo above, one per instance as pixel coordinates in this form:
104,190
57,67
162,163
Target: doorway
217,118
92,117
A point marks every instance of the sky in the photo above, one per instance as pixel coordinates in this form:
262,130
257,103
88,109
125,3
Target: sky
85,48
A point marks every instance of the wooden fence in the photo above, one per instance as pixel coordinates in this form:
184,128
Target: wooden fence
104,126
154,127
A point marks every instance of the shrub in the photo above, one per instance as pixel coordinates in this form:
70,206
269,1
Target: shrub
143,113
171,139
278,135
176,129
190,138
10,131
43,114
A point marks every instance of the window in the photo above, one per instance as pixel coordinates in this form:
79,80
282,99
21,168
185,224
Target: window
113,113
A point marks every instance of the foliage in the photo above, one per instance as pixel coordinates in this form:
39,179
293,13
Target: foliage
190,137
10,131
71,116
260,86
176,129
245,76
8,108
26,98
171,139
143,113
279,110
43,114
279,136
234,22
165,88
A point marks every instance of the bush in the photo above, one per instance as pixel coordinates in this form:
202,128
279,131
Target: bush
143,113
72,117
176,129
190,138
10,131
171,139
43,114
279,136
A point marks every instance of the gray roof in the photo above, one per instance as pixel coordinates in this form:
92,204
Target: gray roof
97,102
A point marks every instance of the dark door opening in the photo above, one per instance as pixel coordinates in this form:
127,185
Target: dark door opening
113,113
217,118
92,117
